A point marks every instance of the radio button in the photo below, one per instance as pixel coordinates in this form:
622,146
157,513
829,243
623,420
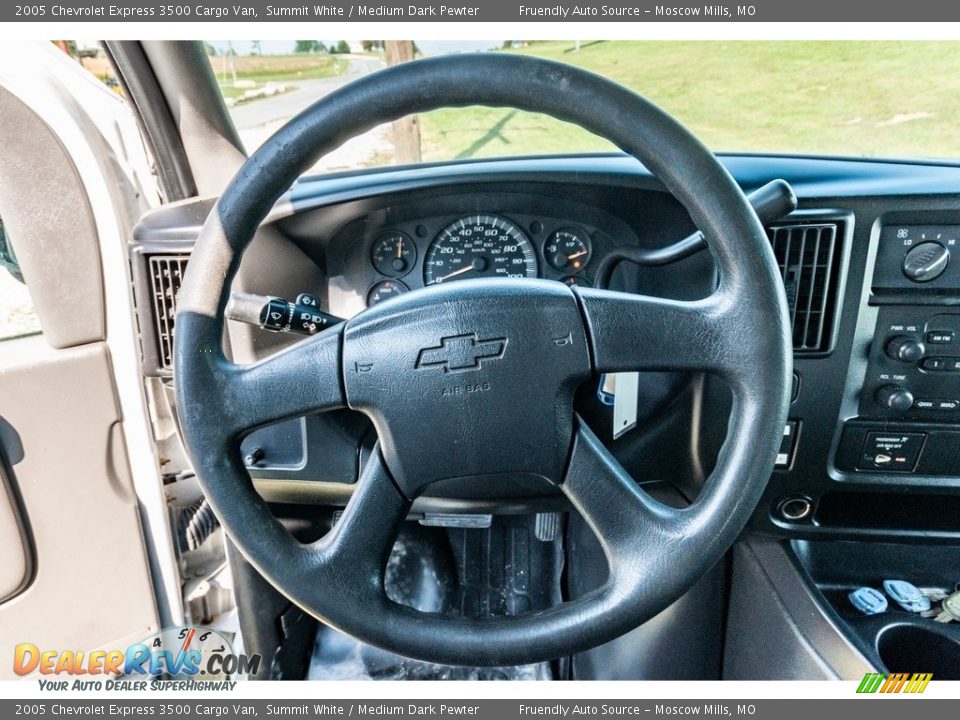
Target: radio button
905,348
937,405
895,397
941,364
940,337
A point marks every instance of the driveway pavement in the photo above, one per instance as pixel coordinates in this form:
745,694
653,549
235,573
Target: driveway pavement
259,119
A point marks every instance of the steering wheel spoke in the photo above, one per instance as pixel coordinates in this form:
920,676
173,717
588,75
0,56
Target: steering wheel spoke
354,553
629,523
638,332
299,380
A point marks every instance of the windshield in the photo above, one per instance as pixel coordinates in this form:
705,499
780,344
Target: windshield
869,99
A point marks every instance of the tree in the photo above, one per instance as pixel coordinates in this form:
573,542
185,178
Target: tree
309,46
342,47
255,47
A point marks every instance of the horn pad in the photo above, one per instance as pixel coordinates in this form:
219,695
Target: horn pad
477,376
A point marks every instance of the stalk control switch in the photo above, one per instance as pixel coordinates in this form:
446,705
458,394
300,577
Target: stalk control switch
303,317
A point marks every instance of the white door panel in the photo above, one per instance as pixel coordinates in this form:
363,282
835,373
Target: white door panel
91,562
92,584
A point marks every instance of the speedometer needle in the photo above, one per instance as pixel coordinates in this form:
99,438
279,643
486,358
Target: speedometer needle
461,271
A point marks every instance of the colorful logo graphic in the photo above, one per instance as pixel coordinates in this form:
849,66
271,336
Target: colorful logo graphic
188,652
894,683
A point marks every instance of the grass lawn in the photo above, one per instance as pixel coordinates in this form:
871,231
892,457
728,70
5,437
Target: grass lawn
263,69
840,98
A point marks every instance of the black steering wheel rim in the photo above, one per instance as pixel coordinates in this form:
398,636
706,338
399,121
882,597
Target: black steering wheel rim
654,553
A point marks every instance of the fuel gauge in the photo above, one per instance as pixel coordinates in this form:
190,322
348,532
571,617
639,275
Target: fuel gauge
384,290
568,250
393,254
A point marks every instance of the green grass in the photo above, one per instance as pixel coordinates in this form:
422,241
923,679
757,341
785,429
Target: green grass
838,98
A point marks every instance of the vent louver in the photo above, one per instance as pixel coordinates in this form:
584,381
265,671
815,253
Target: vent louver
807,255
166,274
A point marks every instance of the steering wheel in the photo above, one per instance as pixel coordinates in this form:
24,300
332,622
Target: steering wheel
475,379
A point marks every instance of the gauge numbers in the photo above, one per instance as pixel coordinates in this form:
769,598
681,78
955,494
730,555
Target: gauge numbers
568,249
393,254
479,246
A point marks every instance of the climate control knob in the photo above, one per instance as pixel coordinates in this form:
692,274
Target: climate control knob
926,262
905,348
895,397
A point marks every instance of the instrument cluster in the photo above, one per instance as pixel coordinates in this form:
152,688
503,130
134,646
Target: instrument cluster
479,245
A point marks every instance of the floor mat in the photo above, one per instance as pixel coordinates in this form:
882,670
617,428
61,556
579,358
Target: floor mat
339,657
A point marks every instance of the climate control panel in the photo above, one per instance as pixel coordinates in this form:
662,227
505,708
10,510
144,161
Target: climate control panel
913,370
918,258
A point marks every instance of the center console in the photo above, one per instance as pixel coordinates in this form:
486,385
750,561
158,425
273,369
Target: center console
908,419
871,490
872,449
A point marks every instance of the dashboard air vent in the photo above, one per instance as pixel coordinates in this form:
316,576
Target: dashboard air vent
166,274
808,257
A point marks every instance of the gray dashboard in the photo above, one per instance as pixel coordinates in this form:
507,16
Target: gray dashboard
321,236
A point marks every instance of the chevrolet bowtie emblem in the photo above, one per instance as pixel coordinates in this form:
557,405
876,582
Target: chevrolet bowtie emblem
461,352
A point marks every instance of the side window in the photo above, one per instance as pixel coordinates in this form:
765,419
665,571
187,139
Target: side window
17,315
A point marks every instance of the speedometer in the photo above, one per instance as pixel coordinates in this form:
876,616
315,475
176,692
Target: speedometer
479,246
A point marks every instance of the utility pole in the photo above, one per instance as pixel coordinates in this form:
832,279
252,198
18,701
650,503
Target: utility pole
406,131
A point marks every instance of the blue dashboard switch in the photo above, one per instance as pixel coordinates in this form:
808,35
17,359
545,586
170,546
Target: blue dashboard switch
907,596
868,601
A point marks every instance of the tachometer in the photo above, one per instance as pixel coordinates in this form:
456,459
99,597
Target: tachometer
479,246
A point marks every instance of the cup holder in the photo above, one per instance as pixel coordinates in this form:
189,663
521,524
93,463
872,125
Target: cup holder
913,649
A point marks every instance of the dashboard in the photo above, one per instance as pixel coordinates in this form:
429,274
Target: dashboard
411,242
869,262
